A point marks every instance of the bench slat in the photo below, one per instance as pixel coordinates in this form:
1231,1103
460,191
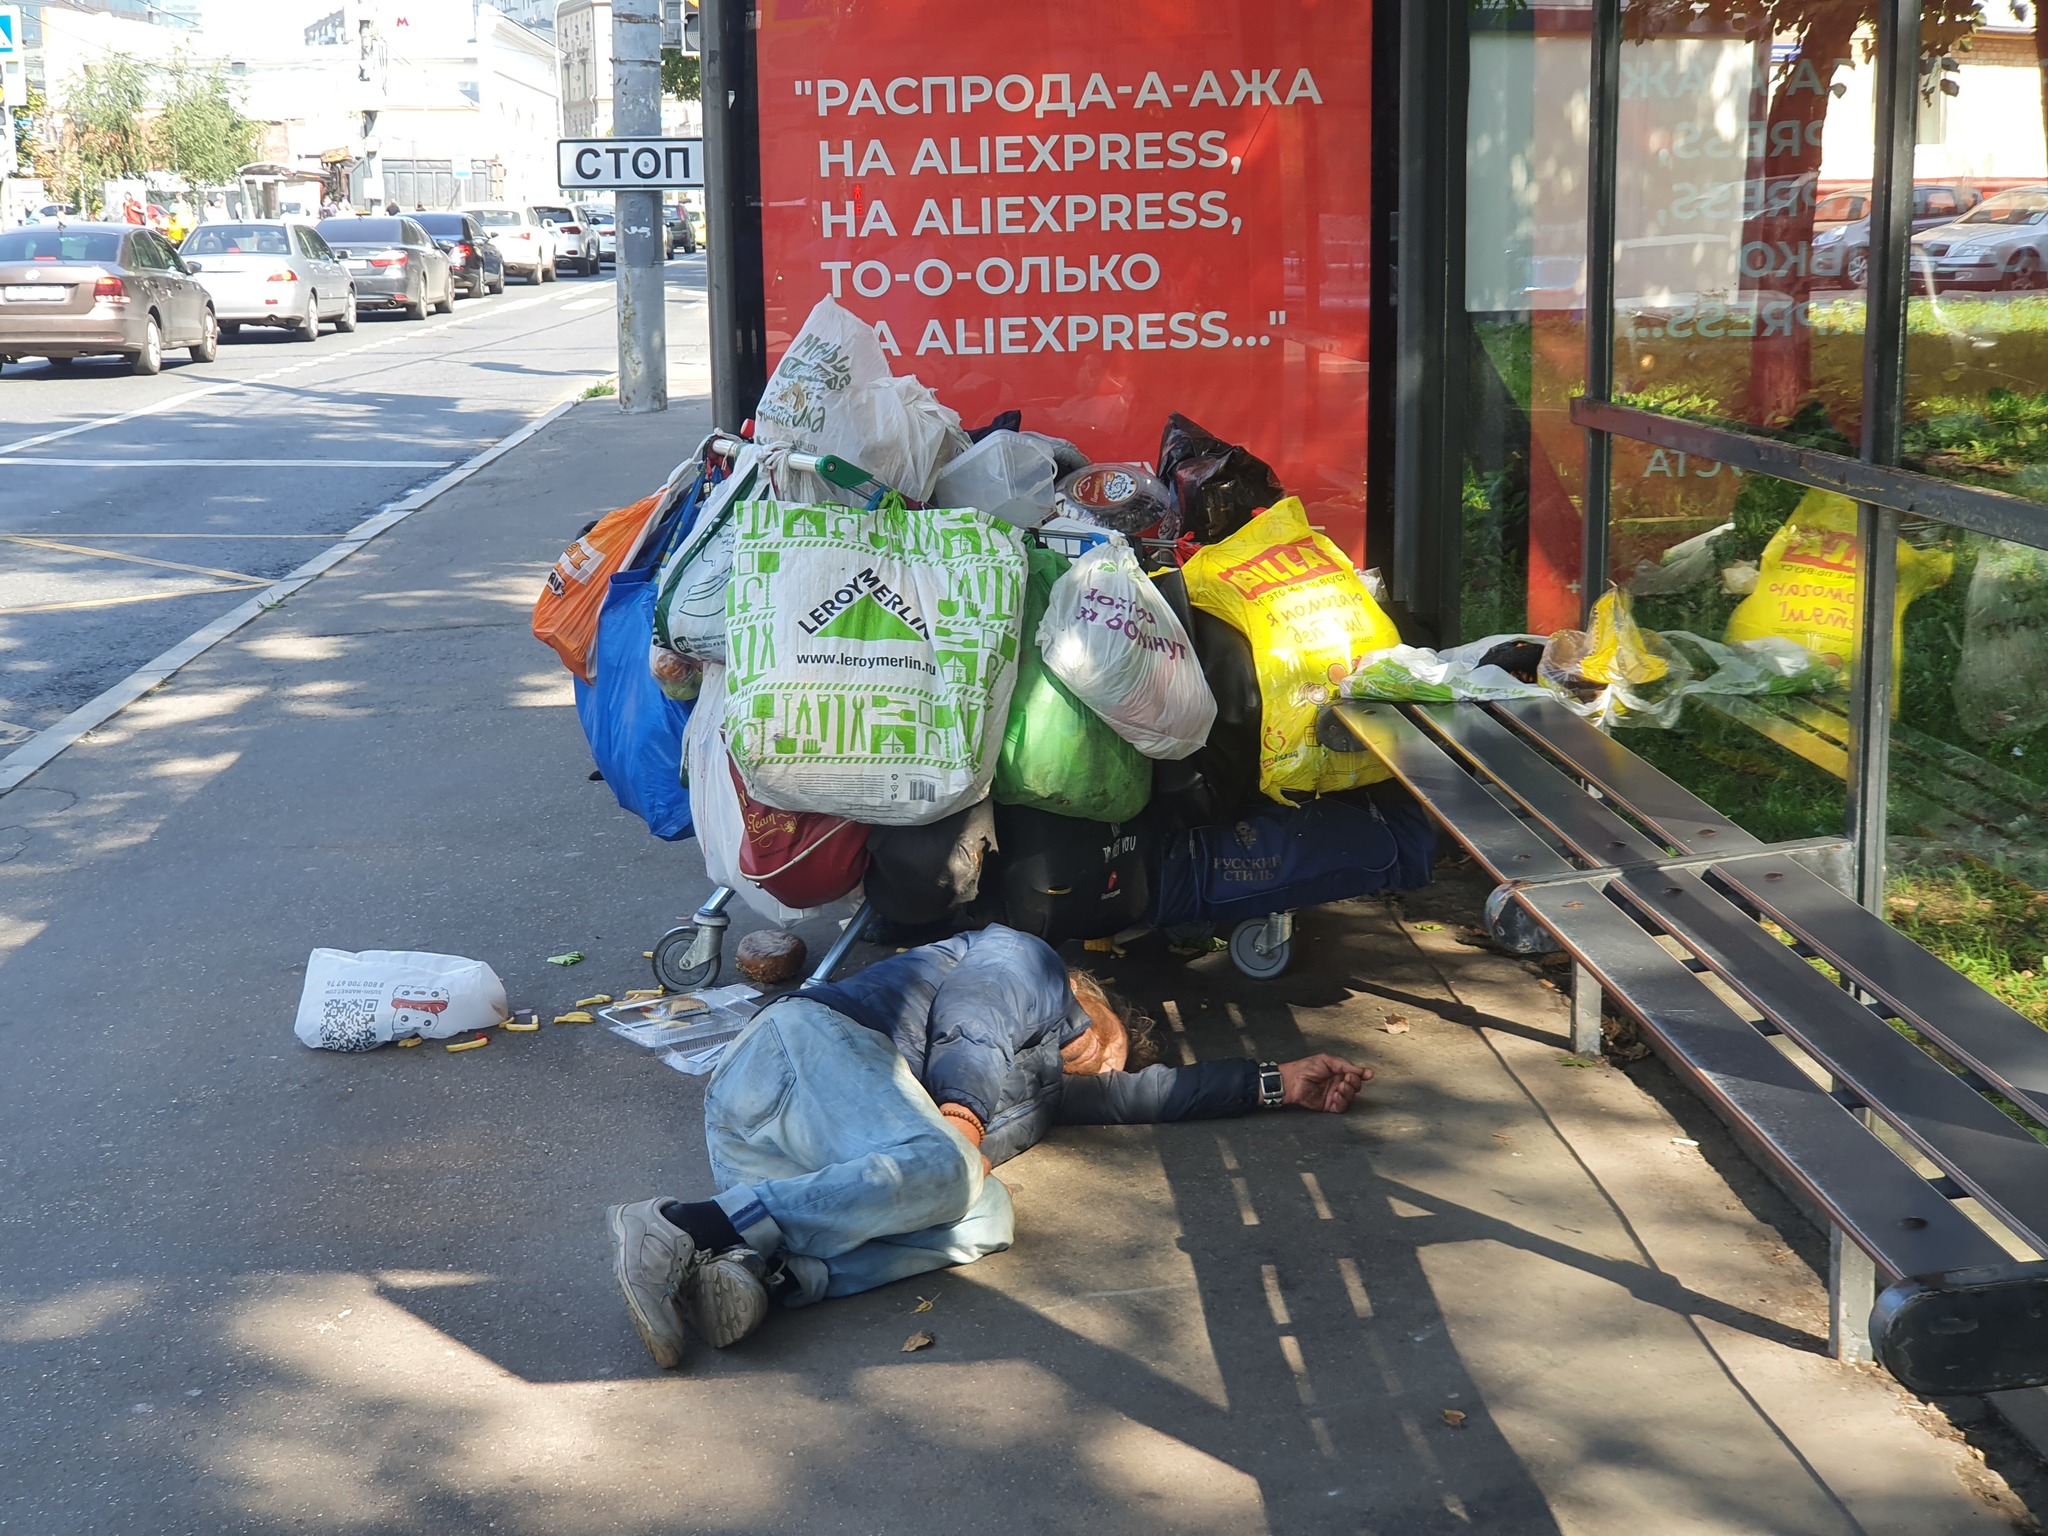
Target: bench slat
1887,1209
1998,1043
1965,1135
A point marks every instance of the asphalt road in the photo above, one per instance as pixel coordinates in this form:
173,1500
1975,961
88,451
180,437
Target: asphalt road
134,511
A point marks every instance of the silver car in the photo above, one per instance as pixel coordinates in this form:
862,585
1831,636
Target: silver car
2000,243
393,263
81,290
269,272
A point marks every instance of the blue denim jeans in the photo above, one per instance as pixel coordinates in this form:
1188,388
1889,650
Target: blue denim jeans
830,1153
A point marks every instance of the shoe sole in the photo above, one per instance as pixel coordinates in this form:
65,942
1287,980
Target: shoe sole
730,1318
665,1357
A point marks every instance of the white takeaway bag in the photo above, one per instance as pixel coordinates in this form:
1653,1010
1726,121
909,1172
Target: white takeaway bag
359,1001
871,657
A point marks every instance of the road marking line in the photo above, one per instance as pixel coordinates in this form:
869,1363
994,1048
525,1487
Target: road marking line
216,536
118,602
115,554
8,458
592,302
173,402
43,748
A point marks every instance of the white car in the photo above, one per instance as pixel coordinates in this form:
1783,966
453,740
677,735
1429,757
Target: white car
521,237
2000,243
575,242
271,272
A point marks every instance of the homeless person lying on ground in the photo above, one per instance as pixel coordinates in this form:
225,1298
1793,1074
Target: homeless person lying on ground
853,1126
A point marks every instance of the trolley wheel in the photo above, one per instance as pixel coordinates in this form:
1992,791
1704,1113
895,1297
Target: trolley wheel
1253,954
687,957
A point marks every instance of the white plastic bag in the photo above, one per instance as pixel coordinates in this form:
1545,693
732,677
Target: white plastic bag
1411,673
1116,643
689,604
715,804
833,393
359,1001
872,655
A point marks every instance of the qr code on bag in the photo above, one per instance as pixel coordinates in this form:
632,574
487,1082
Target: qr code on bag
349,1024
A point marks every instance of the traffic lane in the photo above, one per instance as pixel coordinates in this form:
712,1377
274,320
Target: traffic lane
259,525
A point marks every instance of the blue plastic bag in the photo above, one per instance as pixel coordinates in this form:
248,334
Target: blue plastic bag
634,729
1278,859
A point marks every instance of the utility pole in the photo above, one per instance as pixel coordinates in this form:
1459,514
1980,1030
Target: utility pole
636,113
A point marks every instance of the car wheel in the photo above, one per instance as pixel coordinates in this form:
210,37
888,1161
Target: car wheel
207,347
447,304
547,273
416,309
231,327
1859,268
307,326
151,358
346,320
498,284
532,277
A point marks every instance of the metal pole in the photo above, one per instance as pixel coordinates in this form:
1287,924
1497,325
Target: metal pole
732,201
1603,170
1884,379
636,113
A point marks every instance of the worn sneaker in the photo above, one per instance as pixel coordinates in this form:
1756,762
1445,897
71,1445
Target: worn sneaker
651,1259
723,1296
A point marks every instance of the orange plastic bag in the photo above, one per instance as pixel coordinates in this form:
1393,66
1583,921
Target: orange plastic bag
565,615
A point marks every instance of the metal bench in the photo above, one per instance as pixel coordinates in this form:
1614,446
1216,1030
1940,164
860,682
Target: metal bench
1892,1136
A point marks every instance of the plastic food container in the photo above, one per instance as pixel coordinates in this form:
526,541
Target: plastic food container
1005,475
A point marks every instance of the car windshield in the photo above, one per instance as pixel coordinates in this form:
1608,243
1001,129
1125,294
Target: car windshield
498,218
236,240
447,225
2009,208
559,215
362,232
601,218
1839,208
60,245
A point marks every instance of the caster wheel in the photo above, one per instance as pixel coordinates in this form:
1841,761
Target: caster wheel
1251,954
687,957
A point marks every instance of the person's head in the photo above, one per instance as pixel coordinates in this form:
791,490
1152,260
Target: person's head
392,206
1119,1037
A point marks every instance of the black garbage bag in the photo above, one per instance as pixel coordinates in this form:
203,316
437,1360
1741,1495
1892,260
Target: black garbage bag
1217,781
1216,486
927,879
1064,878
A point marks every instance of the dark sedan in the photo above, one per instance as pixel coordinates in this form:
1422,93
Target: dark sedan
476,262
394,264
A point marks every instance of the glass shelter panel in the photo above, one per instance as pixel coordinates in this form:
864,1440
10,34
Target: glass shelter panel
1747,590
1742,203
1977,309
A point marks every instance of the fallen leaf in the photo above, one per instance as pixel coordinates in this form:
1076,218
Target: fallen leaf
1396,1025
924,1303
1455,1417
1574,1061
917,1341
1504,1138
573,957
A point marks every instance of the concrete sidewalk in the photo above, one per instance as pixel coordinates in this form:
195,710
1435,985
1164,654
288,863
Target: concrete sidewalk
247,1287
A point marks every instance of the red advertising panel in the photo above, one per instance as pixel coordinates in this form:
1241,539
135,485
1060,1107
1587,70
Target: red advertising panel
1094,213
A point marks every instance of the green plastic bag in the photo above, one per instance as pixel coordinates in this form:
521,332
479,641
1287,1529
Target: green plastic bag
1058,754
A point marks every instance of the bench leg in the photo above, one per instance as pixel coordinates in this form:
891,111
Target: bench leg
1586,1040
1852,1292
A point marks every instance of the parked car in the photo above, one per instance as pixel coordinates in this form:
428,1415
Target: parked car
1844,250
393,263
268,272
681,234
472,255
1844,206
575,241
2002,242
80,290
607,226
701,229
528,249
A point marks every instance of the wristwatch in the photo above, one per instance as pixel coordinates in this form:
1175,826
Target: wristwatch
1272,1086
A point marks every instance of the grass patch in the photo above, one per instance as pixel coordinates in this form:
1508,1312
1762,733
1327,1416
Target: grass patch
601,389
1987,924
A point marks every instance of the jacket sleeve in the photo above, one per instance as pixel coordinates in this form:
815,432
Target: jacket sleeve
1008,993
1208,1090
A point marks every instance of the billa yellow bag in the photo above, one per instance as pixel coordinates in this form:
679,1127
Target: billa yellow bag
1309,619
1809,584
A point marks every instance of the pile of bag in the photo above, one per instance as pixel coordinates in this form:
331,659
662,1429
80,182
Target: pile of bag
1024,713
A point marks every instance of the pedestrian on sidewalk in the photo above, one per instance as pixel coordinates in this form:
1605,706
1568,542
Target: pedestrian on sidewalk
853,1128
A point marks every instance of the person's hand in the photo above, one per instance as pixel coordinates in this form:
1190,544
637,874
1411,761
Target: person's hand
1327,1083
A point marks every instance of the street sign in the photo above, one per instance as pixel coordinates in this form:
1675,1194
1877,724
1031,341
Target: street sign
629,165
10,31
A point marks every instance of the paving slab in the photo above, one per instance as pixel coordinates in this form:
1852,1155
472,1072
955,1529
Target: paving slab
247,1287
